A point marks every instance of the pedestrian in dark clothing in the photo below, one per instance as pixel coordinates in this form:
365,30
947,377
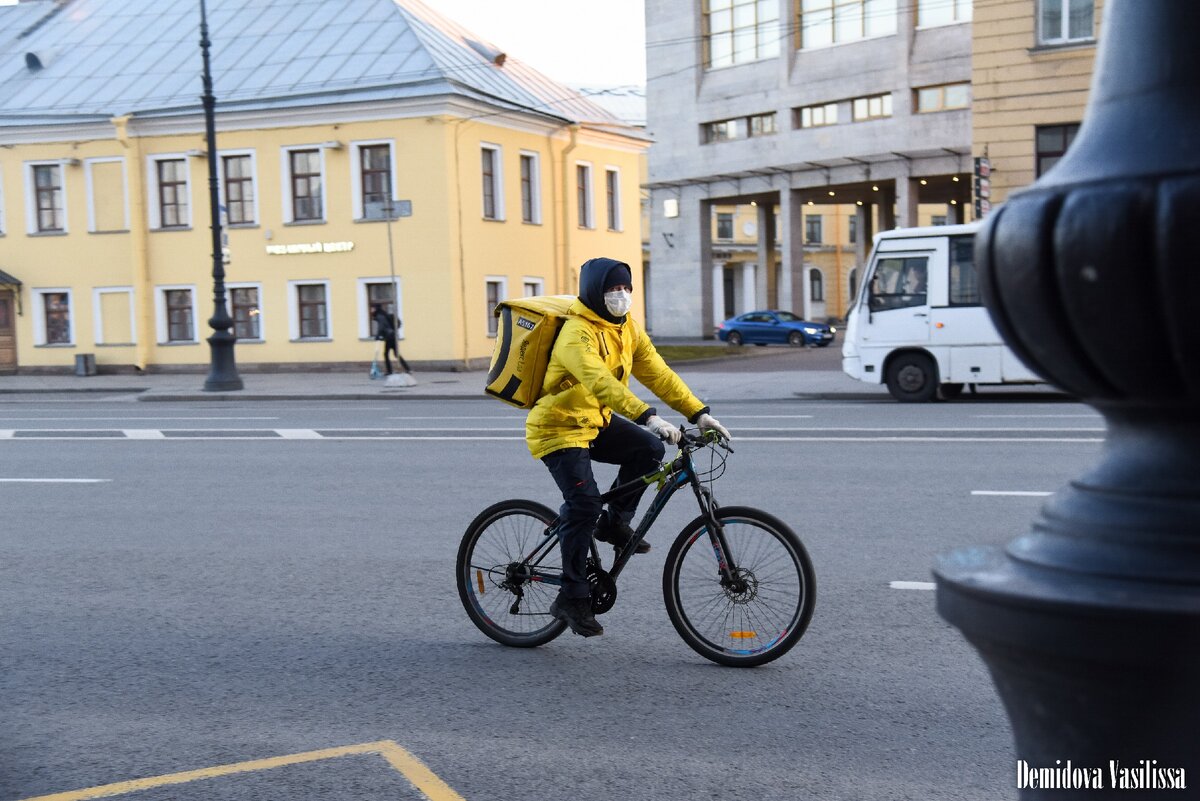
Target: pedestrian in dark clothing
386,326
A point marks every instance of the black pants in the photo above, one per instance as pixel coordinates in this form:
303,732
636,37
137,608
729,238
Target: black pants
637,451
389,345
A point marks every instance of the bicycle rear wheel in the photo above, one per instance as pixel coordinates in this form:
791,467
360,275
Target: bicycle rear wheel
762,614
508,599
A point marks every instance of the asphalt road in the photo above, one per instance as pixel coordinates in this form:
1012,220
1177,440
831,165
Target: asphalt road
214,585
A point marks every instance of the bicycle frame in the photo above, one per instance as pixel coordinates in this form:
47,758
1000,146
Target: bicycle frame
671,477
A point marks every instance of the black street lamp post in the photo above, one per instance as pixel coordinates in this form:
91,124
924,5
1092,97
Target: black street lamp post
222,374
1090,623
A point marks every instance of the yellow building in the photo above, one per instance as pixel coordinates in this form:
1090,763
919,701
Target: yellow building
1031,69
500,183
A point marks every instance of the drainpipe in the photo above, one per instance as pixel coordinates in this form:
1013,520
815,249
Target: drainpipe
462,258
569,277
142,292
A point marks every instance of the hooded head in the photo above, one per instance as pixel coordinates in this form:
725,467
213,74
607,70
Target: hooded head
596,276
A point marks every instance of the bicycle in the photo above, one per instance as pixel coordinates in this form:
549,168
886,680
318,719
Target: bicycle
742,602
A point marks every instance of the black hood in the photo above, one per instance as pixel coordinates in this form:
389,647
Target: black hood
592,278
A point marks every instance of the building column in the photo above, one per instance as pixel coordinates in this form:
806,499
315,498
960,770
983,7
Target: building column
749,299
766,290
865,222
908,195
718,292
791,246
681,255
887,208
956,213
705,260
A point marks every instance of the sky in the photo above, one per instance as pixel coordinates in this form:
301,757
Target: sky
576,42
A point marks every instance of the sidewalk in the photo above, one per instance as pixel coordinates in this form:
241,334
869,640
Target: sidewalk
710,385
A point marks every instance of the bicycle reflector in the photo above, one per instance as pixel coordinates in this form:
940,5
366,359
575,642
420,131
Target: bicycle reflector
743,635
479,580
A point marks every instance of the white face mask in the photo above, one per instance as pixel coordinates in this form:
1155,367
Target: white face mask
618,302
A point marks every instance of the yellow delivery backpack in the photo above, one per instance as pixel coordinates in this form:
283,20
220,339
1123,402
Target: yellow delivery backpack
524,338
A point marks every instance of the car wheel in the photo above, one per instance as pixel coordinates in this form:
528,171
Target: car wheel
912,378
734,338
795,339
950,391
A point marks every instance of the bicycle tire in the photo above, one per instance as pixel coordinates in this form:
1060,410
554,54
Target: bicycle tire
500,535
768,617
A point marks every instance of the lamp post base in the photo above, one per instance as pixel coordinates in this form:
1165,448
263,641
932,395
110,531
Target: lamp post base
223,375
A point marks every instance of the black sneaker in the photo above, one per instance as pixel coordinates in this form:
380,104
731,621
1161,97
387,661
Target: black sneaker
617,534
576,613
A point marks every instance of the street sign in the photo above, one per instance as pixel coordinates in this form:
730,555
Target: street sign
982,187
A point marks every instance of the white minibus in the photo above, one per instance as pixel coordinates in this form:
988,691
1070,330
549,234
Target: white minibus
917,322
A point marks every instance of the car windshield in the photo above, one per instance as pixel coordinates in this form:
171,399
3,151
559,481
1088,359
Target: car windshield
788,317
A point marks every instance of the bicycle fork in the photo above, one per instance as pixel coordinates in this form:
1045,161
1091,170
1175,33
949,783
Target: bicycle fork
726,566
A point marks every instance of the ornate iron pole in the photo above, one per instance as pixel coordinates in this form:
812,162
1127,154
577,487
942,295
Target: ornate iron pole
1090,623
222,373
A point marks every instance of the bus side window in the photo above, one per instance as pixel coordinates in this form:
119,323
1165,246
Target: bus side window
964,281
899,283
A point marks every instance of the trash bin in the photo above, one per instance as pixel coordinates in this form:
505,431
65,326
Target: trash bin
85,364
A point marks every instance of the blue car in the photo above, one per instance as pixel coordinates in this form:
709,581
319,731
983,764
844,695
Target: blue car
762,327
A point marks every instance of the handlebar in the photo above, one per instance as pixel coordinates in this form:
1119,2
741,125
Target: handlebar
695,439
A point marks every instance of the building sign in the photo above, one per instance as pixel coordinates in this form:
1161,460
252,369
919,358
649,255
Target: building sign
310,247
983,187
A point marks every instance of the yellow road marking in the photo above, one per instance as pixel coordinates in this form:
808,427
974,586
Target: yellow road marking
419,776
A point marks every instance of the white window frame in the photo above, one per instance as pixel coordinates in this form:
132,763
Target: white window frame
91,194
960,11
535,186
37,295
1066,39
589,220
31,221
285,185
540,283
502,295
356,184
162,329
154,207
98,315
497,178
222,154
294,309
364,305
232,285
618,224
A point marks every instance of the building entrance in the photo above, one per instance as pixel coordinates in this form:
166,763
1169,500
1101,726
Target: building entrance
8,333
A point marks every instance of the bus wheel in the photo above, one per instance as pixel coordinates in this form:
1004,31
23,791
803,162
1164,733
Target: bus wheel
912,378
950,391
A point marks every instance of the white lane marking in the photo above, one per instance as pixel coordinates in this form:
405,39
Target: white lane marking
39,419
297,433
1018,493
1022,416
915,429
737,439
142,433
6,433
913,585
55,480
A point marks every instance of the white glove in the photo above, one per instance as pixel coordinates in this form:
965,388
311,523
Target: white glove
706,422
662,429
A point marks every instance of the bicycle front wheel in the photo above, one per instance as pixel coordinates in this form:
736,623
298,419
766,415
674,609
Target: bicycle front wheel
758,616
505,592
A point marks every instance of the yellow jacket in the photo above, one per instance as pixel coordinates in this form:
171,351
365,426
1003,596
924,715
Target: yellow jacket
588,379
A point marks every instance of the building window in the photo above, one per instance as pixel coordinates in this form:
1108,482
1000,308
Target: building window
48,189
816,116
826,22
722,131
816,285
937,219
812,229
583,194
1052,143
942,12
531,199
375,165
738,31
239,189
56,318
384,296
312,311
612,192
762,124
492,201
180,326
1065,21
495,293
108,209
872,108
172,193
307,192
534,287
853,229
943,98
243,301
724,225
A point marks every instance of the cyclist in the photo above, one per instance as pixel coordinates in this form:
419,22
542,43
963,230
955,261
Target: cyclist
573,424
